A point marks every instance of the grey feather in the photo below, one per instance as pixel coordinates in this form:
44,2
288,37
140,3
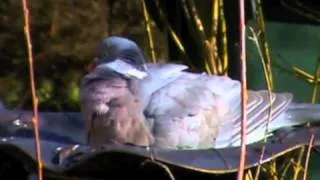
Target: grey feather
111,111
192,111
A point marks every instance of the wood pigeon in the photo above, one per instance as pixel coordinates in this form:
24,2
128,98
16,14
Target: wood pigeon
182,110
111,110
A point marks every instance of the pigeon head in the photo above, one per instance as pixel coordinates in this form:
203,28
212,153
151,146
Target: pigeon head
118,48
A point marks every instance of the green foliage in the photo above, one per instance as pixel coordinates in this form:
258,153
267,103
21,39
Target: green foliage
64,36
290,45
45,90
10,86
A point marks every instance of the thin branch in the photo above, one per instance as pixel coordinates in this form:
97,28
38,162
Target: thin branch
255,39
299,11
147,22
297,165
163,166
306,166
286,168
313,101
196,26
264,42
174,36
223,29
315,87
244,95
35,119
308,9
294,70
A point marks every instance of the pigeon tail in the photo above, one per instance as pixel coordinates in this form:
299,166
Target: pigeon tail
299,114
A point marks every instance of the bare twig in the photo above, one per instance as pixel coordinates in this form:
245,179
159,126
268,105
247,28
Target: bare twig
264,42
315,87
286,168
213,41
308,9
174,36
166,168
223,30
210,44
255,39
273,170
197,26
248,175
306,166
297,164
294,70
149,32
35,119
244,95
299,11
313,101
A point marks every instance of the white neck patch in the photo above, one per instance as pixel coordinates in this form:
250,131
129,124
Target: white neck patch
125,69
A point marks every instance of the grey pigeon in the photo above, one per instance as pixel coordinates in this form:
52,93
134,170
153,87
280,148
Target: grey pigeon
111,110
187,110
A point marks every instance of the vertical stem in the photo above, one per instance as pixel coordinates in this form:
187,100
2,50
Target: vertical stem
213,41
315,82
215,20
55,19
148,28
260,19
306,166
313,101
35,119
243,90
297,166
174,36
264,65
190,9
224,38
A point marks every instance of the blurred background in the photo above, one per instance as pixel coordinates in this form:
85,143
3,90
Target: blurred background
283,43
203,34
